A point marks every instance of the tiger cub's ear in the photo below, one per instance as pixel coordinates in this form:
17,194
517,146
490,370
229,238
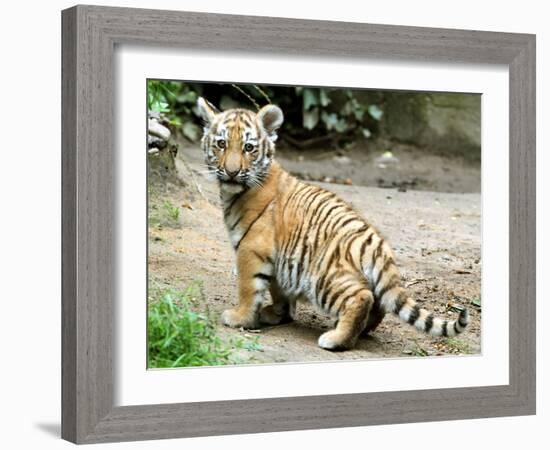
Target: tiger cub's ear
270,117
207,111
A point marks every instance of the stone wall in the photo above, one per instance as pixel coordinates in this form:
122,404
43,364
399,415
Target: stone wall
441,122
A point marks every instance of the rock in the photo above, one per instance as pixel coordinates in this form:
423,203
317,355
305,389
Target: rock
153,115
155,141
441,122
386,159
191,131
342,160
156,129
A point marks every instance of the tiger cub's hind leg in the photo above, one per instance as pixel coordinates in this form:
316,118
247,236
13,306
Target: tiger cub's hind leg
353,307
280,311
376,316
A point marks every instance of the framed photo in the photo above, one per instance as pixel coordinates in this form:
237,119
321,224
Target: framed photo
267,229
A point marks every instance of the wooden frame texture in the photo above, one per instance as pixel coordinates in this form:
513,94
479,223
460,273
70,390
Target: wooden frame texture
90,34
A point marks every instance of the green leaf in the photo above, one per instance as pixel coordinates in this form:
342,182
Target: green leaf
330,120
359,113
160,106
175,121
310,98
375,112
333,122
324,98
311,118
188,97
341,125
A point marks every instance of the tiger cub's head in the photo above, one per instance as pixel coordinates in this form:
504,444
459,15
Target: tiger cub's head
239,144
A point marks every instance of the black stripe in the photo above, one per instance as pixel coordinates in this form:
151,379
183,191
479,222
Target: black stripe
232,227
302,258
333,257
364,245
349,258
429,323
399,302
415,312
334,225
291,241
349,221
335,296
294,194
295,234
292,247
345,299
444,328
259,256
232,202
457,331
322,218
331,202
390,284
263,276
324,281
361,230
323,298
462,318
319,283
247,122
311,223
326,292
376,251
349,240
250,226
326,218
320,255
325,201
387,264
313,193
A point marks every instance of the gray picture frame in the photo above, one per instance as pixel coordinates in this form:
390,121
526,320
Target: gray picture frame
89,37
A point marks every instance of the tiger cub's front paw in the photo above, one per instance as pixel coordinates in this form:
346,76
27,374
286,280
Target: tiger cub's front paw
236,319
333,340
271,315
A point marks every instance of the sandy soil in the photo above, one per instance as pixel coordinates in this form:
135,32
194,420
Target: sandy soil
435,235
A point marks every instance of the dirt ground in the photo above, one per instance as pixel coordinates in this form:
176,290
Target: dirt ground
385,164
436,237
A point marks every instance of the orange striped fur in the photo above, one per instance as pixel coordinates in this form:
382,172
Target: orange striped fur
300,241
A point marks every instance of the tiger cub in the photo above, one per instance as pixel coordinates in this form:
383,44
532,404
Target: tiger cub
300,241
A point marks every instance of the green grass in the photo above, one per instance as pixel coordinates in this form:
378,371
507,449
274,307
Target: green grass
476,302
458,345
415,350
179,336
164,214
172,211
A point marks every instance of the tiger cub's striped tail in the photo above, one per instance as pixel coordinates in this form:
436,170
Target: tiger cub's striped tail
398,301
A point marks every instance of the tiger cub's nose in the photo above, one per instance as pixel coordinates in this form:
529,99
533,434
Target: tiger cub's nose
232,173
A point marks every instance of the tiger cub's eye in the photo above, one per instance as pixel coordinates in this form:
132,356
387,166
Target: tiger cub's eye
220,143
248,147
